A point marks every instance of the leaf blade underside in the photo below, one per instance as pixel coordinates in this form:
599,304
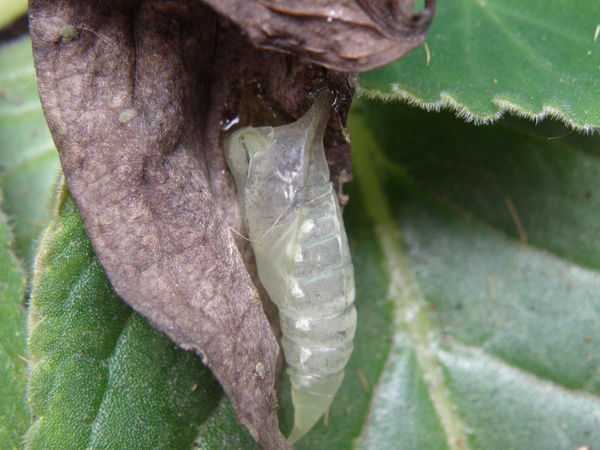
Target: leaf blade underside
514,318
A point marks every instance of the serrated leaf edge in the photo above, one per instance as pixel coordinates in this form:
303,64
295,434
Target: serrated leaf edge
450,102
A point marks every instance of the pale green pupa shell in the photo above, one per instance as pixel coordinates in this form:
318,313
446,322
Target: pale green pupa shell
297,233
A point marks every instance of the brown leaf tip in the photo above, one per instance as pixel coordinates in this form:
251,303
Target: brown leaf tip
348,36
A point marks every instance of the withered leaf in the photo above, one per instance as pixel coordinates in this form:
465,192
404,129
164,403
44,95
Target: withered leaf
137,95
345,35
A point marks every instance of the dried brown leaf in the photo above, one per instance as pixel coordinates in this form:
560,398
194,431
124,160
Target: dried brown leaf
345,35
138,95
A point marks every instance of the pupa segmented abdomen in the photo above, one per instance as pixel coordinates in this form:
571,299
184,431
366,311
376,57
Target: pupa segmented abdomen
318,318
297,234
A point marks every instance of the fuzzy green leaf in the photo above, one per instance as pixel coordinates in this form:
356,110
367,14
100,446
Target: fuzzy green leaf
102,376
14,416
487,56
28,160
222,430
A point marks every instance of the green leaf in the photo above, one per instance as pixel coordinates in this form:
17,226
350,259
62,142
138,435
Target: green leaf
486,56
28,160
103,377
490,241
11,10
223,431
14,416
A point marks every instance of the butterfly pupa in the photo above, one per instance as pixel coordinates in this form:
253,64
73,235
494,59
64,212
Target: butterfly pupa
297,233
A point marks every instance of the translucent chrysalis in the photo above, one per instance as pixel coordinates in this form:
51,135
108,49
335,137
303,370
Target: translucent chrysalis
297,233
